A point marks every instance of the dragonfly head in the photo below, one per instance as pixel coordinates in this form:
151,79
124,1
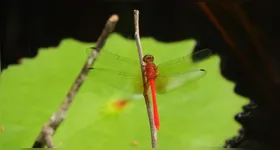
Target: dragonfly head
148,58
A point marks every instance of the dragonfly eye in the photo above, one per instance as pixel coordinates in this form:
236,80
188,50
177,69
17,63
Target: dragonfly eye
147,58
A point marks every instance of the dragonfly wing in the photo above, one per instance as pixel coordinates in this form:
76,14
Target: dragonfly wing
129,82
120,72
183,64
107,59
169,83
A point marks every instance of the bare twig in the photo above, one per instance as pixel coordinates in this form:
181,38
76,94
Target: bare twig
145,94
56,119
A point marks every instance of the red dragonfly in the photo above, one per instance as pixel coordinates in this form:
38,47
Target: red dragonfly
161,78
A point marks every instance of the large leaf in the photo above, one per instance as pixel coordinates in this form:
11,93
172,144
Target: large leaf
197,115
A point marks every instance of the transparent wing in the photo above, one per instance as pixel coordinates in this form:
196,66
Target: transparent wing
126,72
120,72
181,65
169,83
107,59
129,82
178,72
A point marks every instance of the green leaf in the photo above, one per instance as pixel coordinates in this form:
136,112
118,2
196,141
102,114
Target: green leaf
198,115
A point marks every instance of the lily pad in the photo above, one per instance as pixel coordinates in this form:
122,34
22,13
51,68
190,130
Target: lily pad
194,116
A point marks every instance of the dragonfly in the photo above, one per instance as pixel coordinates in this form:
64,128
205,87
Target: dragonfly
162,78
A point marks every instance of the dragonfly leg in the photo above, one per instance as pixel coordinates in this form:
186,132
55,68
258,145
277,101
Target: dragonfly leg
146,86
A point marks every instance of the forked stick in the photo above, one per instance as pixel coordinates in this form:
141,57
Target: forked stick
145,94
48,130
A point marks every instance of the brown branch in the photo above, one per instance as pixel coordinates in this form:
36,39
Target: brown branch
45,137
145,94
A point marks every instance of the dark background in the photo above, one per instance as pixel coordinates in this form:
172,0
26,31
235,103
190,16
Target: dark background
244,34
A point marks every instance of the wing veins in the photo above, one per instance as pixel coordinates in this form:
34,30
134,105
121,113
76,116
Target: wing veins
174,63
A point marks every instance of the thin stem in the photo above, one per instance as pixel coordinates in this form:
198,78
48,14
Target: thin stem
57,118
145,86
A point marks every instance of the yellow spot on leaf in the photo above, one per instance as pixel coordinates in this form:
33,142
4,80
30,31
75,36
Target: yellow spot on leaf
134,143
2,128
116,106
